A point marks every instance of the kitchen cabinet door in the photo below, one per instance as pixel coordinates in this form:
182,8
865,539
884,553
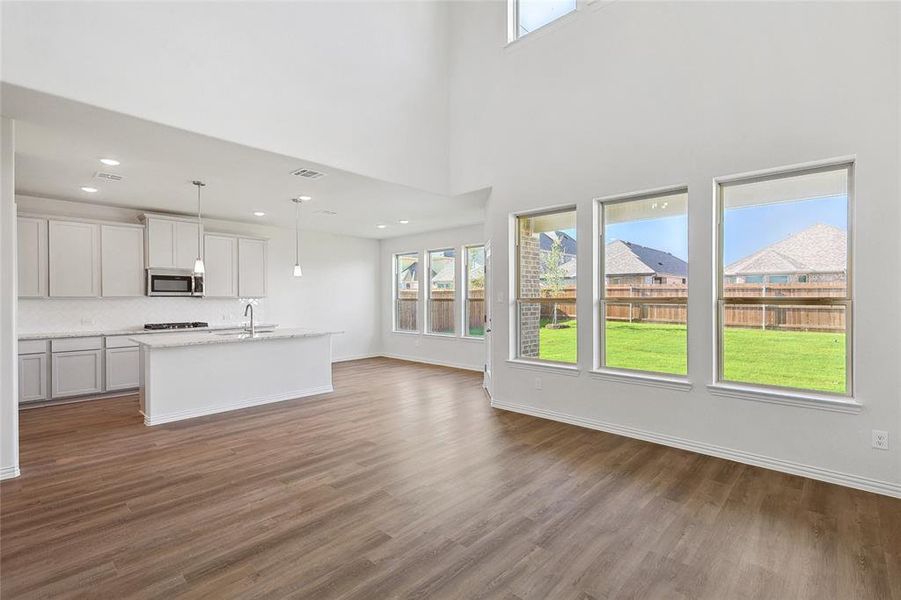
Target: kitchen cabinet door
186,250
76,373
32,257
221,263
74,265
32,377
122,368
252,267
122,260
160,237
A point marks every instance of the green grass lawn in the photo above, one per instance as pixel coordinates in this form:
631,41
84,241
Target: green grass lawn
801,359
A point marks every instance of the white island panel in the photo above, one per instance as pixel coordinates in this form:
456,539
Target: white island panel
203,374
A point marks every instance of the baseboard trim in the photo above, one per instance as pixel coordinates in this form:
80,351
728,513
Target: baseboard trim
9,472
438,363
355,357
202,412
877,486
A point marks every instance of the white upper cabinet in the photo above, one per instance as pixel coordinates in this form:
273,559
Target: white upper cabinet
170,243
122,260
221,264
252,265
186,248
32,257
74,264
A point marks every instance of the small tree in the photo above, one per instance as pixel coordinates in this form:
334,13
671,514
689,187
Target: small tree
554,274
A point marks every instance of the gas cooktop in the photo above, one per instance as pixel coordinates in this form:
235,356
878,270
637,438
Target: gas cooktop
187,325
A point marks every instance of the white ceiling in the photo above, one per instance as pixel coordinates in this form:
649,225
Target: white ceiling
59,144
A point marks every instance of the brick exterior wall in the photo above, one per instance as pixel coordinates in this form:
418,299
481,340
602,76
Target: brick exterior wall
530,287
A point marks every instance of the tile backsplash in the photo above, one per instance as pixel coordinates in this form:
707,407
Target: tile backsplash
39,315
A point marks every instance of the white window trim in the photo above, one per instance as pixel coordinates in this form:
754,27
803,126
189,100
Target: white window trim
513,37
546,366
464,299
513,291
600,370
787,397
643,378
394,286
837,402
427,276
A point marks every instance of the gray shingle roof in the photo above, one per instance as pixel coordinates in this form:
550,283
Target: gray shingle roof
818,249
626,258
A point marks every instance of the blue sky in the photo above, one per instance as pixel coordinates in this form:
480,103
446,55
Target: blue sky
746,230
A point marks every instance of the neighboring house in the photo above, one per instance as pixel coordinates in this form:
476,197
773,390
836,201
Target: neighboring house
632,264
443,277
816,254
626,263
409,277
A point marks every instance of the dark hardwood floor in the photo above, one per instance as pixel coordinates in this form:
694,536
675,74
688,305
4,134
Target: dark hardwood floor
405,483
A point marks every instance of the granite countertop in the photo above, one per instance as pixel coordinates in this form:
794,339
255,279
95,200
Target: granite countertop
193,338
53,335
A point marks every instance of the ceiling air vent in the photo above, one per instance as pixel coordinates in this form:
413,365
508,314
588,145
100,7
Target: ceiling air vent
308,174
107,176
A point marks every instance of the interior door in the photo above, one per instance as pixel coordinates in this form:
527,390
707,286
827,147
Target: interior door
489,291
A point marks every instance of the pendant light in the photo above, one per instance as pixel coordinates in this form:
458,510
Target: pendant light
198,262
298,272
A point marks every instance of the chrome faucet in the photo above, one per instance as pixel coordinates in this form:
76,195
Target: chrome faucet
253,329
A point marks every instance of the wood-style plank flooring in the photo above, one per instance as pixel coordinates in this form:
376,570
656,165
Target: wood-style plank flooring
404,483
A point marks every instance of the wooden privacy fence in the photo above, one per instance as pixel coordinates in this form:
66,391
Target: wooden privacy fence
441,308
802,318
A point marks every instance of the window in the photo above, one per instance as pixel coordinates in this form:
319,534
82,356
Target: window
783,241
525,16
644,290
546,287
474,292
442,279
406,292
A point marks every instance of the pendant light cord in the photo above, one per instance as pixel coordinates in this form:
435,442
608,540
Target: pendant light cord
296,233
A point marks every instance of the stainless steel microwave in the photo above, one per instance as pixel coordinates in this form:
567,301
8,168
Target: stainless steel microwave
173,282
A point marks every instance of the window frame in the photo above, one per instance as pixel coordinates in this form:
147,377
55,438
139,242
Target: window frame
600,290
720,184
427,275
464,317
515,344
394,293
513,19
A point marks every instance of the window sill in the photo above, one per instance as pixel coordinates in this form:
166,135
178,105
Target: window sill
444,336
471,338
659,381
399,332
814,401
534,365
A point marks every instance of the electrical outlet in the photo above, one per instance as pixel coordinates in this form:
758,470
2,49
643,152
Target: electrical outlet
538,383
880,439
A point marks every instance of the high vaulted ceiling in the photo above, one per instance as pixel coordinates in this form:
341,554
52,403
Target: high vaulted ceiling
59,143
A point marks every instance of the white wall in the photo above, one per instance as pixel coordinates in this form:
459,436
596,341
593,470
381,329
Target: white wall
454,351
629,96
9,372
360,86
339,289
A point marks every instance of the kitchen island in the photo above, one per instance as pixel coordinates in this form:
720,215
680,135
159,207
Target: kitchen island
187,375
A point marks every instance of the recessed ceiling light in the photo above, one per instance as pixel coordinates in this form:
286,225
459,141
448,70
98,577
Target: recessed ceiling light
110,162
381,226
403,221
305,198
90,190
259,213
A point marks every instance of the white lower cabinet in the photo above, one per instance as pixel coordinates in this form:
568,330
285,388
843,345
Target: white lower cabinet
76,373
33,377
122,368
